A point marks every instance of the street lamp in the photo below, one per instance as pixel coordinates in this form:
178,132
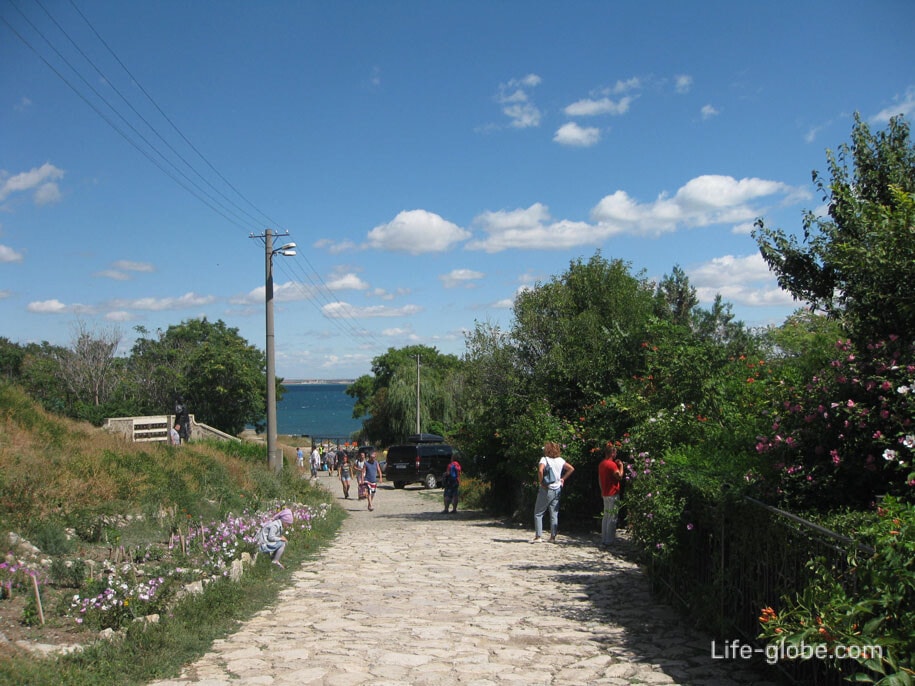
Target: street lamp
288,250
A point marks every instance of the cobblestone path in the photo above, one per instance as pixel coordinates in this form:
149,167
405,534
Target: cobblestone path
406,595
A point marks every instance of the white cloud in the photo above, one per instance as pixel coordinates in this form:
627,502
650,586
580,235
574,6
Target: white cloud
590,108
703,201
742,280
744,229
161,304
40,180
333,247
129,266
578,136
23,104
119,316
417,232
708,112
337,310
344,282
683,83
516,102
5,294
531,228
905,105
7,254
47,307
113,274
460,277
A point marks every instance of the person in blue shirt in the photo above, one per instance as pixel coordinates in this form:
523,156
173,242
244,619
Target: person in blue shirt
373,477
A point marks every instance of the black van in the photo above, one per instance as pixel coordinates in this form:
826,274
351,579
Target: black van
422,459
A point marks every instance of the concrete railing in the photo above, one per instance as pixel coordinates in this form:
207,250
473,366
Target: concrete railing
155,429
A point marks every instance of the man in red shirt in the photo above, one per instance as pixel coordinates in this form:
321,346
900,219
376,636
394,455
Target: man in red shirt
610,474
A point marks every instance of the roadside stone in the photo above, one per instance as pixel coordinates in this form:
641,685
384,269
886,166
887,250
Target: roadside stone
406,597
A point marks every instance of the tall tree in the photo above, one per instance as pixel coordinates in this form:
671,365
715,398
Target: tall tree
220,375
858,263
88,366
388,395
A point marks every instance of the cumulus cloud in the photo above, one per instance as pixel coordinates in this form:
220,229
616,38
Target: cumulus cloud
47,307
416,232
333,247
343,282
532,228
40,181
120,270
340,309
7,254
590,107
683,83
574,135
460,277
514,97
904,105
703,201
161,304
708,112
742,280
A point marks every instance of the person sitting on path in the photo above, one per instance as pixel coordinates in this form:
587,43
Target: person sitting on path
345,475
609,475
270,538
372,478
552,472
451,481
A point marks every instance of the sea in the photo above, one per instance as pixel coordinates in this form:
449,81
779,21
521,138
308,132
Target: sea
317,410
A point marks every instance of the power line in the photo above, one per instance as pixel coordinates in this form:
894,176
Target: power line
237,216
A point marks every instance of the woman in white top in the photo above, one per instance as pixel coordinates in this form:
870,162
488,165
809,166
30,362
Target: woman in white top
552,473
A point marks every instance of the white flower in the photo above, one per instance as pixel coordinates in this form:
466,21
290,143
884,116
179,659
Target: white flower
903,390
909,441
889,455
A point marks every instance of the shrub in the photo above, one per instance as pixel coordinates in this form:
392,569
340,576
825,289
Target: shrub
870,607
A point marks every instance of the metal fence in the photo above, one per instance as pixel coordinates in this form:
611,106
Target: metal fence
742,556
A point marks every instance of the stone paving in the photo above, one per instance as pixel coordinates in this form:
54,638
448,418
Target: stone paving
406,595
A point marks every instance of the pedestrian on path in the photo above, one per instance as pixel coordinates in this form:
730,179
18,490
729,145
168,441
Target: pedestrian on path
315,462
359,468
609,475
270,538
345,475
300,458
552,472
451,480
372,478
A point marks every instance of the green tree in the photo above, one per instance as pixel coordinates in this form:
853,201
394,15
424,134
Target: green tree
388,395
858,263
220,375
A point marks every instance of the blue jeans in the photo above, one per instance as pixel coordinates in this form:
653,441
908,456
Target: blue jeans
547,499
608,524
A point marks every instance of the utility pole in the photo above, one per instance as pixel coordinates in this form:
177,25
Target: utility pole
274,462
417,395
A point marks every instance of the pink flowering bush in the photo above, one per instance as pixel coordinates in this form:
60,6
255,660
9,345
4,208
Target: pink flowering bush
847,435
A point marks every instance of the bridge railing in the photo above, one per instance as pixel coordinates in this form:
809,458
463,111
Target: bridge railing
154,428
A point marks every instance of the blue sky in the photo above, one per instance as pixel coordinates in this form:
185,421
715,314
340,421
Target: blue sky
430,159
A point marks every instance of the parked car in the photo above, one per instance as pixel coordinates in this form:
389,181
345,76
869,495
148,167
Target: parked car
422,459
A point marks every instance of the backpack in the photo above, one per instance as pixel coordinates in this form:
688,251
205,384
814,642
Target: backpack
451,476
